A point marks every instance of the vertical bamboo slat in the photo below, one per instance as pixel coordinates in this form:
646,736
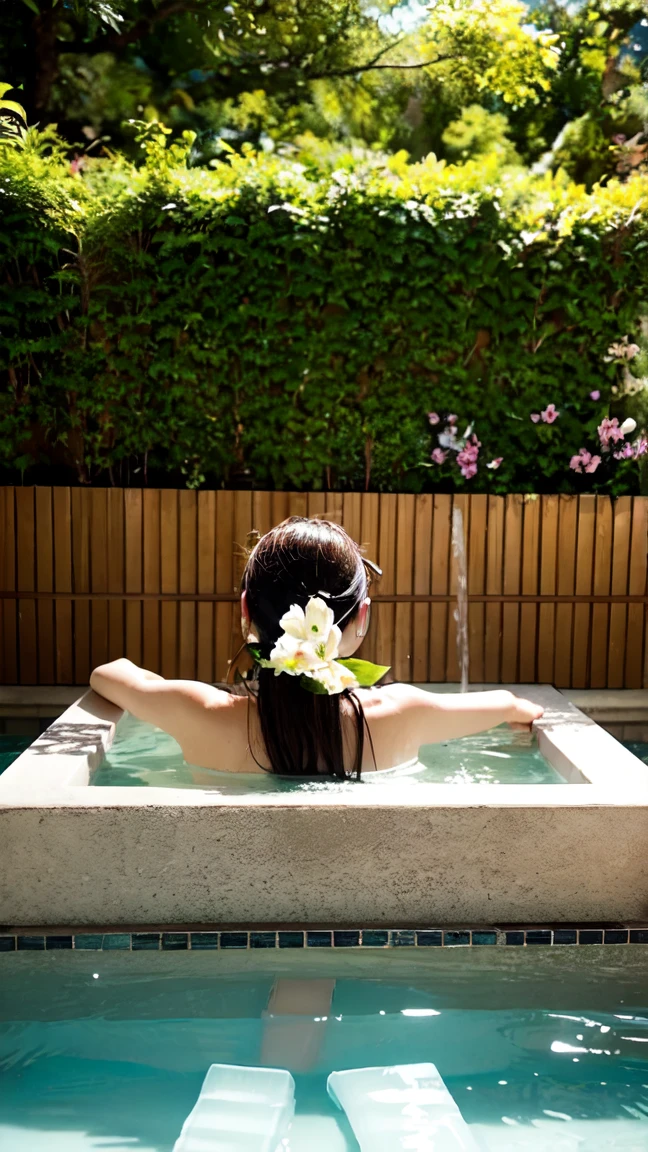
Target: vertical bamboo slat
477,584
548,562
384,614
99,576
169,582
26,580
187,582
403,617
602,575
133,564
224,552
512,577
115,542
422,529
494,559
583,587
44,583
151,579
565,576
622,525
529,587
8,608
369,528
205,653
81,521
637,586
63,610
441,518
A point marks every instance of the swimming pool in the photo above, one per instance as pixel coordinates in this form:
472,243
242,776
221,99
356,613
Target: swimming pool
545,1050
144,756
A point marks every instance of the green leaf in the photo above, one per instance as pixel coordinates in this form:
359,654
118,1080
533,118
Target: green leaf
313,686
366,673
34,7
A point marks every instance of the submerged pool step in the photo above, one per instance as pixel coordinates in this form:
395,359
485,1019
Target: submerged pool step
405,1106
239,1110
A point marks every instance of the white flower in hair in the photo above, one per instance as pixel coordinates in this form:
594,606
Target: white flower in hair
309,646
315,624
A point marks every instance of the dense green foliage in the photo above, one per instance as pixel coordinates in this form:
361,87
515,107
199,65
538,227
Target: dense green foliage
275,324
567,79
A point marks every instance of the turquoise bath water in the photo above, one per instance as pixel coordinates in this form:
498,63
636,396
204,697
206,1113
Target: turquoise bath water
144,756
544,1050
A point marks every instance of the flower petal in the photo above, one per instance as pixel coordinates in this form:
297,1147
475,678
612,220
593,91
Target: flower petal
318,619
294,622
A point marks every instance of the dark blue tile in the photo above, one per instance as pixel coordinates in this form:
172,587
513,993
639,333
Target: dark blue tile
318,939
54,942
145,941
31,943
175,941
484,937
590,936
565,936
538,936
346,939
637,936
454,939
429,939
616,935
515,937
291,939
263,939
202,941
233,939
7,943
88,942
401,938
375,938
116,941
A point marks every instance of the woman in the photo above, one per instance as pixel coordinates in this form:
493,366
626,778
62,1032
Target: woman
305,609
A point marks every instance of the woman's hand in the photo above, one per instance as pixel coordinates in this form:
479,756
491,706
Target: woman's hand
523,714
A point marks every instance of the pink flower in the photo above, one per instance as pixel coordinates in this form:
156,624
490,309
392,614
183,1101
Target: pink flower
433,417
584,461
535,416
625,453
641,447
452,419
550,414
468,456
439,456
496,462
609,432
595,395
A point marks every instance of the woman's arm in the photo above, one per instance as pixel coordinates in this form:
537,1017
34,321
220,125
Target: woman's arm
436,716
150,697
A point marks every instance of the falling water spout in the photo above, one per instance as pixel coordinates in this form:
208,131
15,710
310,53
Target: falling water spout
461,611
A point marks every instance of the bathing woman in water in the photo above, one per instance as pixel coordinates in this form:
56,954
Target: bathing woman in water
305,609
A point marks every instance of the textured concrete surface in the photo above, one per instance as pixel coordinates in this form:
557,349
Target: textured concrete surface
71,854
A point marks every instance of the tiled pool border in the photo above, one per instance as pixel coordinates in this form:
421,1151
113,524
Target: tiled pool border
206,940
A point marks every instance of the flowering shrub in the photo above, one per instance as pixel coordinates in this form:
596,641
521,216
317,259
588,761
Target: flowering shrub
389,326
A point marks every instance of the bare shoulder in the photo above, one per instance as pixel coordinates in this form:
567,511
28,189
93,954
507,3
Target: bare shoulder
394,700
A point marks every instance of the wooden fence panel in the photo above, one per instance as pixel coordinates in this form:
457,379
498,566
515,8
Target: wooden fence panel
557,586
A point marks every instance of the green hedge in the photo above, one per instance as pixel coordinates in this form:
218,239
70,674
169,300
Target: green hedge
261,324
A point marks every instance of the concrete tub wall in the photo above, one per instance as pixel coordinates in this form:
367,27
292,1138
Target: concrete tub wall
434,854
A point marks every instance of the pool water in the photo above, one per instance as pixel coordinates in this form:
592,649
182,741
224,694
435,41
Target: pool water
11,747
638,748
539,1052
144,756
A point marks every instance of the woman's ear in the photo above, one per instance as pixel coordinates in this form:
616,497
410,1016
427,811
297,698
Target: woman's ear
245,617
362,619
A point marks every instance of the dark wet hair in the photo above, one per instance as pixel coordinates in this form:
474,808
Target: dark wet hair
300,558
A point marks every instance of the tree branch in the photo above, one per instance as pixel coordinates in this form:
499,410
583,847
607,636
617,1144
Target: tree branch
371,67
